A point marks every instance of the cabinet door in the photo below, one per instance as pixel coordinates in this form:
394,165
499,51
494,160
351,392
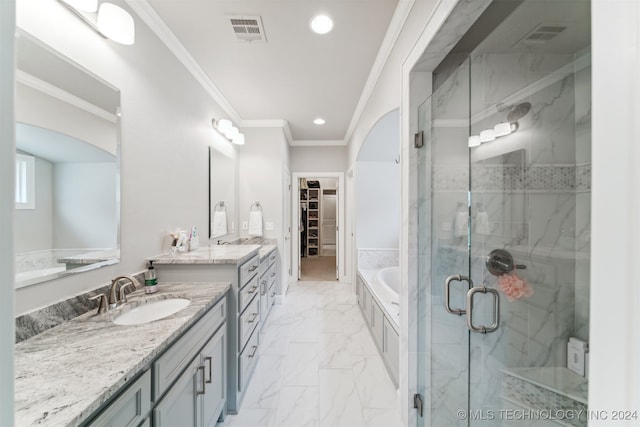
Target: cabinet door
213,359
178,408
130,408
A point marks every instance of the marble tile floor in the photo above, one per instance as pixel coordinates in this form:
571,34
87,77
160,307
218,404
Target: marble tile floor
318,366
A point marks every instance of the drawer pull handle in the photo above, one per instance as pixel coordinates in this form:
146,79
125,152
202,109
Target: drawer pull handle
273,274
273,294
209,359
253,268
253,319
263,293
273,258
253,289
201,368
253,353
264,282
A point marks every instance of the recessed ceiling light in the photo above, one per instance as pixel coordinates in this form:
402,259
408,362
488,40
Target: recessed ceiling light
321,24
319,121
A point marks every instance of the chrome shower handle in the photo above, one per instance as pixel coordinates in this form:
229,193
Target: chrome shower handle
447,293
496,310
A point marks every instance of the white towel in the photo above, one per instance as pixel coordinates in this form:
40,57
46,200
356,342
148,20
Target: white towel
219,223
482,223
255,223
462,220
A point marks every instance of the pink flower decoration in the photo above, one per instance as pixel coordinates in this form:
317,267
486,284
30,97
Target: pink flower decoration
514,287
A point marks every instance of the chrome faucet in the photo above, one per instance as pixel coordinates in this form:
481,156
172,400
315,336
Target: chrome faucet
114,300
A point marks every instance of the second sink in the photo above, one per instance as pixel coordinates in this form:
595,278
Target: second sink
150,311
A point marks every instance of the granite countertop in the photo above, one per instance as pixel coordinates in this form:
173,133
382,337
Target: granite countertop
265,250
214,254
65,373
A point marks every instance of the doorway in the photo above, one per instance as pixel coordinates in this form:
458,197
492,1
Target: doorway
316,232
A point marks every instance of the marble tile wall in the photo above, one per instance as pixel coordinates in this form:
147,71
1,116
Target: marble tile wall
375,259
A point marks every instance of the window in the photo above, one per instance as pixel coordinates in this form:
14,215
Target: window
25,182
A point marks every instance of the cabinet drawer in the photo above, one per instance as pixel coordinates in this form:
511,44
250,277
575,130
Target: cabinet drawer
247,293
248,321
130,408
248,359
168,367
264,266
248,270
272,258
271,273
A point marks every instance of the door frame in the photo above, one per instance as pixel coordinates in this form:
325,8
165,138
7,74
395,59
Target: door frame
295,222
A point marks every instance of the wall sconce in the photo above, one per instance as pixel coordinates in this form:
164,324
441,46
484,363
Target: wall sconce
226,128
108,20
516,112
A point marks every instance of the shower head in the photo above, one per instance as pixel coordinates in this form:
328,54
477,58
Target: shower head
518,111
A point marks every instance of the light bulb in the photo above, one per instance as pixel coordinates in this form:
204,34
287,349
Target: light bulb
474,141
487,135
321,24
239,139
502,129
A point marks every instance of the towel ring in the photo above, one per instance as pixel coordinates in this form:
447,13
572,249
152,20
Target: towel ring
221,206
256,205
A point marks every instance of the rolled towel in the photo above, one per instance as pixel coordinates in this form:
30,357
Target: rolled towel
461,224
219,223
255,223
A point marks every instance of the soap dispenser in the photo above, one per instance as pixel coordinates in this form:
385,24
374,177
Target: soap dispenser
150,279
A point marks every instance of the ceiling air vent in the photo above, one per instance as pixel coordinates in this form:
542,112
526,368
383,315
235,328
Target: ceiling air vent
542,34
247,28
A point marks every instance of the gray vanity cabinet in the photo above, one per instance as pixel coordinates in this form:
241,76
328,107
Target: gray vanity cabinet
377,326
198,396
130,407
268,278
243,313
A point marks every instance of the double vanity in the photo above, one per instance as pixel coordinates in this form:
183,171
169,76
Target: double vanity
125,367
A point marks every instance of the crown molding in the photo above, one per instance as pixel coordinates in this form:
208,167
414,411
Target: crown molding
318,143
56,92
275,123
145,12
398,20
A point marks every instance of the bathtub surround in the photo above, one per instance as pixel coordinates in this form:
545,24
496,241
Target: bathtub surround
375,259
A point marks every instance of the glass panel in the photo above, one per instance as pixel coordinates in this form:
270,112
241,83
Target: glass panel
443,245
530,196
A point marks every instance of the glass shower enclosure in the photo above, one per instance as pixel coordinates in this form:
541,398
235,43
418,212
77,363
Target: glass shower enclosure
504,222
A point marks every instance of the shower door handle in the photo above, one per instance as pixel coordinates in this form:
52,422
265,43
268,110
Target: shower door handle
447,286
496,310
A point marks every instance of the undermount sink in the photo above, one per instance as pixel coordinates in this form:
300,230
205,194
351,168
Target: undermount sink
150,311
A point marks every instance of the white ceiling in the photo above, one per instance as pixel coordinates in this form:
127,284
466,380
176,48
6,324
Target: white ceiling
296,75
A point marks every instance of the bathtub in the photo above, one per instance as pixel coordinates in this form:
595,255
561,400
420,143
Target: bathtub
26,278
384,285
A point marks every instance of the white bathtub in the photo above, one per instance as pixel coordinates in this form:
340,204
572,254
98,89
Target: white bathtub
30,277
386,286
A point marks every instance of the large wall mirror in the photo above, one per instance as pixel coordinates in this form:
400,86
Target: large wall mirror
67,166
222,193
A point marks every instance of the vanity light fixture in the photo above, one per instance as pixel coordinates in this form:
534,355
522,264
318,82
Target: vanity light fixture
515,113
319,121
321,24
108,20
226,128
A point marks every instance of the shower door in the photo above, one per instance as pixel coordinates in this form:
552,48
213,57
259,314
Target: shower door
503,241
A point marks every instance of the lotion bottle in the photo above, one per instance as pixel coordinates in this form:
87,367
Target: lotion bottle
150,279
